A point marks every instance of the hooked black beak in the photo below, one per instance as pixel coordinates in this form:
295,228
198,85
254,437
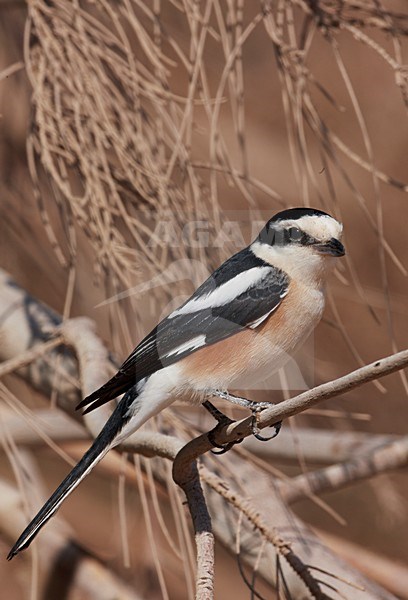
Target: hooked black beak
331,248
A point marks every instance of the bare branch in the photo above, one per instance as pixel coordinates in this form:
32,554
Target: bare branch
282,548
139,110
302,402
189,481
259,490
386,458
25,323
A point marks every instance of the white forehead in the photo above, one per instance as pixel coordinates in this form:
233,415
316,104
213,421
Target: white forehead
322,227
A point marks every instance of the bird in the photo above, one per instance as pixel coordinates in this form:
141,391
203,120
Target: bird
240,325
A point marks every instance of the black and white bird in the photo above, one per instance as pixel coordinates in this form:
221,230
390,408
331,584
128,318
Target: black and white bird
240,325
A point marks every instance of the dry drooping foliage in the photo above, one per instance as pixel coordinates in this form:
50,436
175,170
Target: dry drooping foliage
147,117
125,150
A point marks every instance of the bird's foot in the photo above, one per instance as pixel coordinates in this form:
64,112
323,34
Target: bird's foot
255,407
223,420
256,411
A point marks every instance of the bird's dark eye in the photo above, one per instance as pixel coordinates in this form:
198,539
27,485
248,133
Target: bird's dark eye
295,234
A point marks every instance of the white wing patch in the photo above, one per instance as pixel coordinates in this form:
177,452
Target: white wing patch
224,293
190,345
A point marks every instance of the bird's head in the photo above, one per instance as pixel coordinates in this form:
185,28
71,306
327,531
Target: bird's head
304,242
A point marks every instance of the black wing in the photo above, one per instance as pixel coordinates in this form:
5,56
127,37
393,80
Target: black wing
241,293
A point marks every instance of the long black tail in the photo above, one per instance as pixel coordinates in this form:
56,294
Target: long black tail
103,442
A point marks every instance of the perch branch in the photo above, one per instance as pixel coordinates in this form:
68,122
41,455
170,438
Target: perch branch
302,402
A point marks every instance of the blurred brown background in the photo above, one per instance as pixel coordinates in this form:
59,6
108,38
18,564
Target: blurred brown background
252,119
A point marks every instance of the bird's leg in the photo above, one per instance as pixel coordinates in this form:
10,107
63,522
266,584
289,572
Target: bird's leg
255,407
222,421
244,402
217,414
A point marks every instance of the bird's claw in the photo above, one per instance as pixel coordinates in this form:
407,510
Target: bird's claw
256,410
262,438
255,407
223,448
